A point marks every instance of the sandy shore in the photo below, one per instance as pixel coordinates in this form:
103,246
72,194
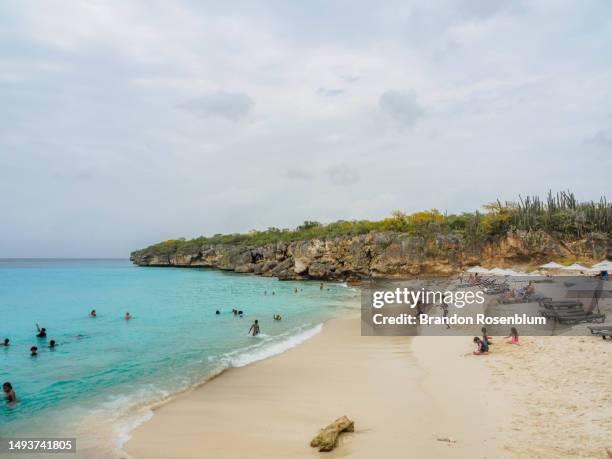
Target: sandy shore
550,397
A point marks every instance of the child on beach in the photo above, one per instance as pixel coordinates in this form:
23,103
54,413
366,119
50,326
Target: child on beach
514,337
487,339
481,347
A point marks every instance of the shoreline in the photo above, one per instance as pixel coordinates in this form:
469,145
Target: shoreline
274,406
426,396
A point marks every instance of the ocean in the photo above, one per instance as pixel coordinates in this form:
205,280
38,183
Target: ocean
106,373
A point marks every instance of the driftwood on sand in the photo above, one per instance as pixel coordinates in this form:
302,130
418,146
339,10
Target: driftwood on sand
327,438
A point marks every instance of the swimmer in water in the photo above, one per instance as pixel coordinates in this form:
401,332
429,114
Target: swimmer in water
33,351
254,328
52,344
5,343
9,393
239,313
128,316
42,332
277,317
217,312
93,313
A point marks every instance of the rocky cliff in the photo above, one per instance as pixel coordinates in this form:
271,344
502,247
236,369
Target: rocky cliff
379,255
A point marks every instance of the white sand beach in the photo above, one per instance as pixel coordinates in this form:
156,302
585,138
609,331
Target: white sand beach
416,397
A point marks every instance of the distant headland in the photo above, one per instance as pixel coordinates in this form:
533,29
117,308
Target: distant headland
522,233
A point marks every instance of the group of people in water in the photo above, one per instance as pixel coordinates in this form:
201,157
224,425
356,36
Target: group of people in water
41,333
483,344
255,329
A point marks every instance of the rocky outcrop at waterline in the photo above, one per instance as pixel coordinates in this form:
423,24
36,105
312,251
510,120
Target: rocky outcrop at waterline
378,254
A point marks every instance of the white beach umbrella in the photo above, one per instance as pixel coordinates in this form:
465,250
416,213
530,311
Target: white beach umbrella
500,272
576,267
602,266
478,270
551,265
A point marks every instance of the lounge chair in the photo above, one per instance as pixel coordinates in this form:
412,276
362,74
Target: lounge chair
605,331
571,320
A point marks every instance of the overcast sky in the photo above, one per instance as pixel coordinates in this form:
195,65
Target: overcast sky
125,123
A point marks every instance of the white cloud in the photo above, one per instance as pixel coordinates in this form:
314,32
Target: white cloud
90,92
234,106
401,106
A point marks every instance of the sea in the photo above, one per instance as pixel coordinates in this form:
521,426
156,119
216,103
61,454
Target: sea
106,374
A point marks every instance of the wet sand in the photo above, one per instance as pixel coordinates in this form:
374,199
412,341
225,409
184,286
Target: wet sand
274,407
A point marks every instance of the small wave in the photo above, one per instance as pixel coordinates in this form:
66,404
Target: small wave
268,347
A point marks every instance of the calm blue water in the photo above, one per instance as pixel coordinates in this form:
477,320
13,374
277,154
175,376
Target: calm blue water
106,369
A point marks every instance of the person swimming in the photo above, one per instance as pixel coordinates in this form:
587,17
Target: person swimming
5,343
239,313
217,312
42,332
235,312
514,337
9,393
52,344
481,346
255,328
33,351
128,316
277,317
93,313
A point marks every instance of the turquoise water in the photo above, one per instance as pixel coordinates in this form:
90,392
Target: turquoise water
106,371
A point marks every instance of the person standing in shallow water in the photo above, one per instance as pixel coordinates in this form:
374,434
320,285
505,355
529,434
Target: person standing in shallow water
254,328
42,332
128,316
9,393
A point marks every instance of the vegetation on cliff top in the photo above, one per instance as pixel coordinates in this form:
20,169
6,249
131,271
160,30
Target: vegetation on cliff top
560,214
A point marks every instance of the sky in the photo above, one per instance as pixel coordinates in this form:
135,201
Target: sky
126,123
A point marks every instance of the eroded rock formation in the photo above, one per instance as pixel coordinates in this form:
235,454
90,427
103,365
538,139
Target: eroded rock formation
379,255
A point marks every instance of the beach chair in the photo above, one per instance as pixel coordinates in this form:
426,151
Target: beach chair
605,331
578,319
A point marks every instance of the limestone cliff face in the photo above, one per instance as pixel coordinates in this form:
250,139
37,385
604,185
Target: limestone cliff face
379,255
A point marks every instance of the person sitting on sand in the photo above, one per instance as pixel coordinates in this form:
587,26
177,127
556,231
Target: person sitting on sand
255,328
277,317
514,337
5,343
487,339
93,313
9,393
128,316
481,347
33,351
42,332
